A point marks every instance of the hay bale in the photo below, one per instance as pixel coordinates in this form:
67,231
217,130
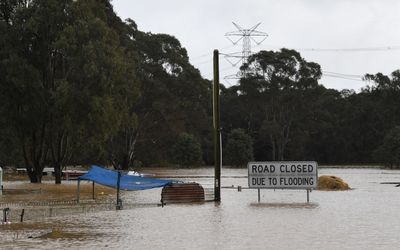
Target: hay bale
331,183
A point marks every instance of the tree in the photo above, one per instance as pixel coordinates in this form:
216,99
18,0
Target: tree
389,152
186,151
173,99
62,65
239,148
277,84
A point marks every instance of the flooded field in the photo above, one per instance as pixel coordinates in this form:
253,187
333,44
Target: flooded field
365,217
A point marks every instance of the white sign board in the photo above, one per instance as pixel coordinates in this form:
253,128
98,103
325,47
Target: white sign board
283,174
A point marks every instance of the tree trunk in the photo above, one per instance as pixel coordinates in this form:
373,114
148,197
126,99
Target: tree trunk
35,176
39,177
32,175
125,162
57,173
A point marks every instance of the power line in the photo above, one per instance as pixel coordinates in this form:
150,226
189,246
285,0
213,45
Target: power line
210,53
205,61
343,76
221,70
361,49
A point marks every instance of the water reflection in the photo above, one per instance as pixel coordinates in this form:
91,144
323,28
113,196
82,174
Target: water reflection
285,205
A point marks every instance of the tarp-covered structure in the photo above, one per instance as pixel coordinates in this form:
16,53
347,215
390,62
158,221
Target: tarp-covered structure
109,178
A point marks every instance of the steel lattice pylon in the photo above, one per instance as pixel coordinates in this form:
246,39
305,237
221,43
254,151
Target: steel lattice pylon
246,36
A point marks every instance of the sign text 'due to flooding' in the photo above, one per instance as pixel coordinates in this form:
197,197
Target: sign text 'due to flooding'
281,175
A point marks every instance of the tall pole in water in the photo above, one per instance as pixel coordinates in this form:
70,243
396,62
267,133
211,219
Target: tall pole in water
217,130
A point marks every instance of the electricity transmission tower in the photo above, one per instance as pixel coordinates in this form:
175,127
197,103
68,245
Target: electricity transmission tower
246,36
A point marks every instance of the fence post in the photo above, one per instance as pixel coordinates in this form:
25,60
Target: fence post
119,201
78,191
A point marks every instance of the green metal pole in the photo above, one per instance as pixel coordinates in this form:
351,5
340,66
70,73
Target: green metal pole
217,130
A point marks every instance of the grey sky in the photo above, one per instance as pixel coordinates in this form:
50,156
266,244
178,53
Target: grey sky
201,25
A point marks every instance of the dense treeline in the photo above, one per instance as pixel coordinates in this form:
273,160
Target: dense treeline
80,86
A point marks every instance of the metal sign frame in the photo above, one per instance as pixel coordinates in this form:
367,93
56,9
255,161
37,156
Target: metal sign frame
273,170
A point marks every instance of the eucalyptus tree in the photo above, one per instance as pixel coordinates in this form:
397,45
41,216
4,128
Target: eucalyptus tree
277,85
376,114
61,62
22,83
174,98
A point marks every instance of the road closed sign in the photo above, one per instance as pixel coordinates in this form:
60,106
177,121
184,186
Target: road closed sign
283,174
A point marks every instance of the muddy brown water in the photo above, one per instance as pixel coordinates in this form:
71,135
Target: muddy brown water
365,217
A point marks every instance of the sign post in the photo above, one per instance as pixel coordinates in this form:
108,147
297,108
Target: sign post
283,175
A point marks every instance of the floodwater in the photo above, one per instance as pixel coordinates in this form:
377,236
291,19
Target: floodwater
366,217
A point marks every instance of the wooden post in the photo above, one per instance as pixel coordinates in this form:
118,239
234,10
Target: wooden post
78,191
5,214
217,129
22,215
93,190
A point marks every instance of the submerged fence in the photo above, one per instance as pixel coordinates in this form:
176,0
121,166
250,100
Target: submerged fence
26,211
40,210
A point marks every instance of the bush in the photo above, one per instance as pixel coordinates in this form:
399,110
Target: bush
186,151
239,148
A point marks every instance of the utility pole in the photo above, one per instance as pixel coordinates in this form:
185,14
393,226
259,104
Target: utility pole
217,130
246,36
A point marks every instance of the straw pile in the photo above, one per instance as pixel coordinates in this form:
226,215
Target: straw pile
331,183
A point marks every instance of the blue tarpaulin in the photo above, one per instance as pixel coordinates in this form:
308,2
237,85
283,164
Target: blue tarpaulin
109,178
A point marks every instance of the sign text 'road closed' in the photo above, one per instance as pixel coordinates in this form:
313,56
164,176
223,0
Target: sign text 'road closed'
281,175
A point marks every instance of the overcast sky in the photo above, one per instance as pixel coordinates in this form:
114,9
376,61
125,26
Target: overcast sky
201,25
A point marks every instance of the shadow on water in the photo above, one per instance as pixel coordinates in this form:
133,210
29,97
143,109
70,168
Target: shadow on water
285,205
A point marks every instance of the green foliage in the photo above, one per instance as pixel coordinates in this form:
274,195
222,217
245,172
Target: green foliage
61,79
186,151
276,95
389,152
174,98
239,148
79,86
